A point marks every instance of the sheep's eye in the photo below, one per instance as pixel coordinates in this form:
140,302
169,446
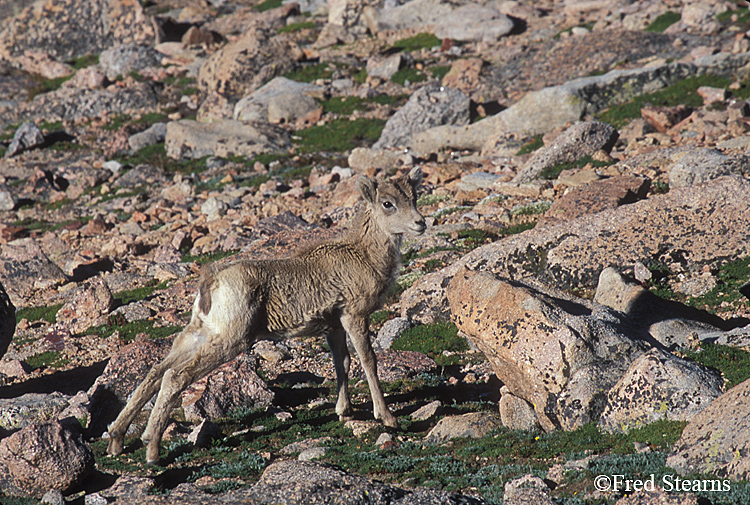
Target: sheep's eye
387,205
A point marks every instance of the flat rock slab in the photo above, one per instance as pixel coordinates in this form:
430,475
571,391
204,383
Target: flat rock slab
703,222
190,139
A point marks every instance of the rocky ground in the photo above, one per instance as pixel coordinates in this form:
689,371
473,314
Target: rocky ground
577,309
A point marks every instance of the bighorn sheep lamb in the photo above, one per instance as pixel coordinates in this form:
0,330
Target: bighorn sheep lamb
331,288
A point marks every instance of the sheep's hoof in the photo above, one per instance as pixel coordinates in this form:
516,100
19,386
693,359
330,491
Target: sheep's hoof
115,446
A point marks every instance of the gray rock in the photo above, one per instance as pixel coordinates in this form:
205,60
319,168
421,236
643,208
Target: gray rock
254,106
390,331
53,497
189,139
129,486
7,321
414,14
427,412
154,134
204,433
27,136
582,139
94,499
288,108
123,59
702,165
16,413
71,104
449,137
385,67
44,456
537,338
431,105
659,385
716,440
231,387
474,23
477,180
68,29
471,425
527,490
362,158
515,413
670,323
7,202
312,454
573,253
24,268
213,208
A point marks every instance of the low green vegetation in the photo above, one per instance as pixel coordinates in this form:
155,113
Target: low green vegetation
267,5
33,314
339,135
729,278
531,146
680,93
409,74
742,15
297,27
129,330
433,340
47,359
419,41
310,73
202,259
663,21
138,294
439,71
732,362
553,172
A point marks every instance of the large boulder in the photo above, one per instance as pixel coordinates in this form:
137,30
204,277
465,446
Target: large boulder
692,225
245,64
542,344
431,105
68,29
582,139
193,140
24,268
717,440
659,385
45,456
702,165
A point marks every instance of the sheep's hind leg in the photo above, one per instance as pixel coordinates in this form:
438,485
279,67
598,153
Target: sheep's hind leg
341,361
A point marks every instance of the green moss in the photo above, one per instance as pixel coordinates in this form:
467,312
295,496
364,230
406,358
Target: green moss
47,359
680,93
553,172
732,362
743,16
440,71
531,209
664,21
310,73
296,27
339,135
43,85
425,200
267,5
408,74
138,294
729,278
419,41
344,105
531,146
128,331
202,259
88,60
432,340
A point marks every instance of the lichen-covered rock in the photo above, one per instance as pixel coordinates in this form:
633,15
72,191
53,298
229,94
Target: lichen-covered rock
245,64
702,222
68,29
193,140
702,165
717,440
659,385
231,387
16,413
471,425
430,106
24,268
537,340
88,307
45,456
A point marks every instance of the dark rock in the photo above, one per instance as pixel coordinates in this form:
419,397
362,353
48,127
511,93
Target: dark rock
27,136
45,456
7,321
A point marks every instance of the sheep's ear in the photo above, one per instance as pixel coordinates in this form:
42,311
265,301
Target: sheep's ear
415,177
367,188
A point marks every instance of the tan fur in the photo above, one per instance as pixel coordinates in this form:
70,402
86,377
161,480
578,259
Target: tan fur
330,289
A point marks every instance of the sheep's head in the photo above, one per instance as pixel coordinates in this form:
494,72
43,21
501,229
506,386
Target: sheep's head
394,202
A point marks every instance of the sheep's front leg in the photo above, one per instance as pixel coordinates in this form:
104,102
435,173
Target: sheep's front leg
341,361
356,327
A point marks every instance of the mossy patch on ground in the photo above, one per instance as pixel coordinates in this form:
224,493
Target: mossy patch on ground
339,135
